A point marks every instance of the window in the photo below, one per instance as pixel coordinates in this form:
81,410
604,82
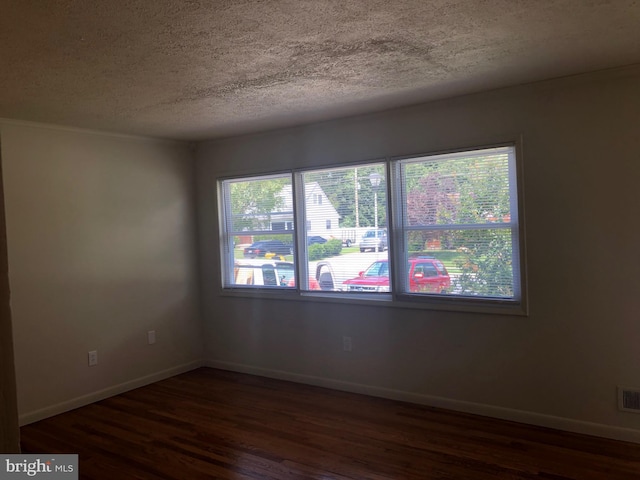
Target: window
257,212
353,206
461,208
426,270
454,237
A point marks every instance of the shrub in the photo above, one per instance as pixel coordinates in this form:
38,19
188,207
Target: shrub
318,251
486,266
333,247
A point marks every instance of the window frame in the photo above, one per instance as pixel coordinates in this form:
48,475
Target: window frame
396,298
226,260
517,305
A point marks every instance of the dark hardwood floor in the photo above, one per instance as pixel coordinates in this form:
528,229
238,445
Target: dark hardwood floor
215,424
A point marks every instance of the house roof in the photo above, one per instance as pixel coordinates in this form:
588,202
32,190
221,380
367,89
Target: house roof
196,69
310,189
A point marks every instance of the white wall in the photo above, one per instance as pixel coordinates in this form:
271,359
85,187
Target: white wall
560,365
101,249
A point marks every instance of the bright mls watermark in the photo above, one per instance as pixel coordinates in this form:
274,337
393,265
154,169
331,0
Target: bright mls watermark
51,466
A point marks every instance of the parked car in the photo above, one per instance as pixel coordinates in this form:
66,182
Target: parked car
426,275
263,272
316,239
313,283
374,240
268,273
325,276
374,279
262,247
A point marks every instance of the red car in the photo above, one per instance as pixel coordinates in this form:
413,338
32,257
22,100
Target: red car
426,275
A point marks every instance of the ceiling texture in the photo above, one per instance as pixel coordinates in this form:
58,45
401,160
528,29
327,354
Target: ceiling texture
196,69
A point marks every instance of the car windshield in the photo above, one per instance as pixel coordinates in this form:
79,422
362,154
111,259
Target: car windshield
370,234
377,269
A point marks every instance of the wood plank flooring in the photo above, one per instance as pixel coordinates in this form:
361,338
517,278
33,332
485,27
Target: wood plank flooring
214,424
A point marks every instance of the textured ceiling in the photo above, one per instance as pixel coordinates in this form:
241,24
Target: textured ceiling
195,69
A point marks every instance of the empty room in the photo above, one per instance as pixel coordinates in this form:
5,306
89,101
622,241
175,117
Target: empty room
320,239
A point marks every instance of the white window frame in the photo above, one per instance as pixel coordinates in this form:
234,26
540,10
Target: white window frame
397,257
226,246
515,305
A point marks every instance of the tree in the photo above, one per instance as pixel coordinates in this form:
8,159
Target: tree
253,202
433,201
487,267
465,191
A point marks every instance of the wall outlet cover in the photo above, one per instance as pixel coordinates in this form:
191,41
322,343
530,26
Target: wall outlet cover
93,358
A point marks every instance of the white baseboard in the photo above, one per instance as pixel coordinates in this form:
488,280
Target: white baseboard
77,402
521,416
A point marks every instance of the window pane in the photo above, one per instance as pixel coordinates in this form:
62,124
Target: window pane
463,188
265,262
457,210
260,204
476,262
341,206
259,232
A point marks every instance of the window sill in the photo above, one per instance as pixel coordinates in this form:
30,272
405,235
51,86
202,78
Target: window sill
413,302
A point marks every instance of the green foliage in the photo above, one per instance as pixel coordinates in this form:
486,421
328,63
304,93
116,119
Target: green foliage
333,247
318,251
486,264
253,202
459,191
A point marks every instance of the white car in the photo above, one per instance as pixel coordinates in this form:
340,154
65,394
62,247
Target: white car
269,273
272,273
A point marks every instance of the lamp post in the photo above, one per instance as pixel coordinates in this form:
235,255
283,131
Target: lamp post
375,179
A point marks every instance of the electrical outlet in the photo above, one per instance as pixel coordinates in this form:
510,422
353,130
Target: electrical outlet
346,344
151,337
93,358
